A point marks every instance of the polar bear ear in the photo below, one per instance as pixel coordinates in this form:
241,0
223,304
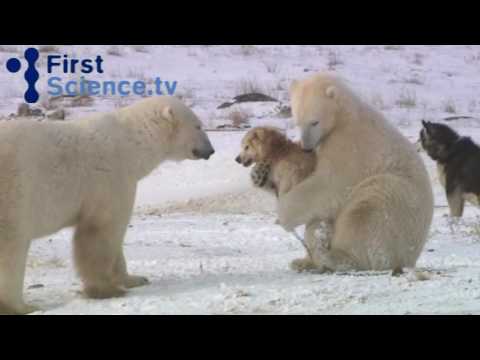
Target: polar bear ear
167,113
331,92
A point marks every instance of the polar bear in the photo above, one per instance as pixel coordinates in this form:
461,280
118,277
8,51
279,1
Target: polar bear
369,182
84,174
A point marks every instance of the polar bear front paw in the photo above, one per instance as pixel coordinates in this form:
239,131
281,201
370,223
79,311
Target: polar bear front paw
302,265
28,309
104,292
21,309
260,173
133,281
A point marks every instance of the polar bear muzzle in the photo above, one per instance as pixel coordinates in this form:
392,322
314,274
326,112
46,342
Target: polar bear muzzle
310,138
204,153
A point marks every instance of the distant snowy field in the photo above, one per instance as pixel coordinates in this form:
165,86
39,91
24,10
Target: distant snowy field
207,239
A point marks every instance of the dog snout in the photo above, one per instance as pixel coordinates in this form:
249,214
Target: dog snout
244,161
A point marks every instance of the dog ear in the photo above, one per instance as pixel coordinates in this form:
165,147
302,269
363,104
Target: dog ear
427,126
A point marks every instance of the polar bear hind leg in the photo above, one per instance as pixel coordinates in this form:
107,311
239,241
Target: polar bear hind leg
379,229
13,258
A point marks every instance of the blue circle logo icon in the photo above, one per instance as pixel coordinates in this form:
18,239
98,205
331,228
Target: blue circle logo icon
31,74
13,65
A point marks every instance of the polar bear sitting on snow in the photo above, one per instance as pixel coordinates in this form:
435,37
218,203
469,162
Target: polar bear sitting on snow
84,174
369,182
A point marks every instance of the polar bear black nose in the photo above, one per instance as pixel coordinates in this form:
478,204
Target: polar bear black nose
203,154
207,156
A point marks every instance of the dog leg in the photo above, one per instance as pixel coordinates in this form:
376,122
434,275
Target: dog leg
456,202
260,173
260,176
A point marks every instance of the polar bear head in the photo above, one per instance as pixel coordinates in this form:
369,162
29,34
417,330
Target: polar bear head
315,107
169,127
189,140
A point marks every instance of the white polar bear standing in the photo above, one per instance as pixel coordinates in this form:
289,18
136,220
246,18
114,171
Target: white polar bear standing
84,174
369,182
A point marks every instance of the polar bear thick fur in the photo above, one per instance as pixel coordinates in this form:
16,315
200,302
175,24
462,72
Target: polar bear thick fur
369,181
84,174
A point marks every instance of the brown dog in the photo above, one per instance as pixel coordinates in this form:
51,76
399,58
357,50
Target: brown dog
280,164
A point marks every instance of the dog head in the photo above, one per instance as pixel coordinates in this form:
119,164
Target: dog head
437,140
260,144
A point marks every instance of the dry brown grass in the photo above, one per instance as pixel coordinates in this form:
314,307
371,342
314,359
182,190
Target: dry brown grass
449,106
239,118
334,60
407,99
115,51
48,49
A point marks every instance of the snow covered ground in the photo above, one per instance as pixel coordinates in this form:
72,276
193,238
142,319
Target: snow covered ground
207,239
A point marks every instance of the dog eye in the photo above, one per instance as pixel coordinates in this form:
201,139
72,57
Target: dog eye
247,147
316,123
199,127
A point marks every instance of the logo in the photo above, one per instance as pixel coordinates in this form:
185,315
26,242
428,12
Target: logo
63,64
31,74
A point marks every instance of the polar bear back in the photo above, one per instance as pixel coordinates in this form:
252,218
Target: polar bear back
54,166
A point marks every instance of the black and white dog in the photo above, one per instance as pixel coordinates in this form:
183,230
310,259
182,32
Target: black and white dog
458,163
